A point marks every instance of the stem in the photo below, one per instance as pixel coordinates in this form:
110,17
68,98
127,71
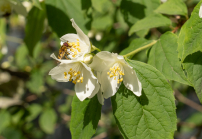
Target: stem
93,48
187,101
140,49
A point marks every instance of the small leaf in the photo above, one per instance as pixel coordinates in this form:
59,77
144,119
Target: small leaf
135,44
163,56
84,117
193,66
4,119
34,28
173,7
152,21
47,121
34,110
150,116
190,35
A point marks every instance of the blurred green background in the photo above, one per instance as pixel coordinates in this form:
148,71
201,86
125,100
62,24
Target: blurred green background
34,106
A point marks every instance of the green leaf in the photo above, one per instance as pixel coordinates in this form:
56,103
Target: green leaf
84,117
135,44
101,6
163,56
193,66
36,82
150,116
34,110
59,13
34,28
47,121
12,133
144,8
173,7
37,4
4,119
101,23
152,21
190,35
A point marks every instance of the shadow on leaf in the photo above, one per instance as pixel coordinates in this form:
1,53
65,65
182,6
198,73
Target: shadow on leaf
129,8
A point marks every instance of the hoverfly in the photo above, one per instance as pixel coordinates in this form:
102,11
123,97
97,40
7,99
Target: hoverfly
63,51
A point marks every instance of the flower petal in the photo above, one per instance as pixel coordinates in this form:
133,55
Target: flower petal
89,87
80,33
69,37
200,11
100,97
102,61
109,85
131,81
57,73
62,61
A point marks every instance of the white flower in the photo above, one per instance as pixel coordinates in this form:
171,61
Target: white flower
6,7
78,44
86,84
200,11
113,70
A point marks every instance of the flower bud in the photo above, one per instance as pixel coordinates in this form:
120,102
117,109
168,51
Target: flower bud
88,58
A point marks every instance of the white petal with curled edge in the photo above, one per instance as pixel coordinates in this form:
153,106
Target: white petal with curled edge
200,11
69,37
80,33
100,97
131,81
109,85
89,87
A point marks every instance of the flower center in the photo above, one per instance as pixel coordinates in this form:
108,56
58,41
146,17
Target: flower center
116,73
73,48
75,76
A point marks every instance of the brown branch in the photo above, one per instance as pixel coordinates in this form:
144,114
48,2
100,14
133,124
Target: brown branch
187,101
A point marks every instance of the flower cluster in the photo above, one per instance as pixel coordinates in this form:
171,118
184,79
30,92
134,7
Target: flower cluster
101,74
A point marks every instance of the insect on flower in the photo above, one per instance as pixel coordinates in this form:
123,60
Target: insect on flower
63,51
69,49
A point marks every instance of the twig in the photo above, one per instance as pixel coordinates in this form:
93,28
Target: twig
187,101
100,136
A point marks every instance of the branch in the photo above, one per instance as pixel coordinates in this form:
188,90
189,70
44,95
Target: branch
187,101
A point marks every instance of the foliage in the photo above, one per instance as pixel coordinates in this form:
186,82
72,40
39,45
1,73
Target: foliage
161,41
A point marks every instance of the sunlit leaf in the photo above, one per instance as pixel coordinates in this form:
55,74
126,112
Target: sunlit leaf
152,21
190,35
151,115
163,56
173,7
